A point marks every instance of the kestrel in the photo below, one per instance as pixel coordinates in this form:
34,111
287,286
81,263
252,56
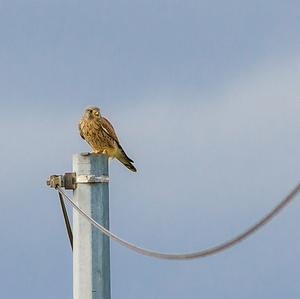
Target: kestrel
98,132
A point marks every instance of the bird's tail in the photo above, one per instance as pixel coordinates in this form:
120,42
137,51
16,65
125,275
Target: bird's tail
124,159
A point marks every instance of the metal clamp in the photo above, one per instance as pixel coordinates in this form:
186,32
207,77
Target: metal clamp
87,179
54,181
67,181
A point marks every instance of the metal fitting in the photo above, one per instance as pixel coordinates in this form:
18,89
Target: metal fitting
87,179
54,181
67,181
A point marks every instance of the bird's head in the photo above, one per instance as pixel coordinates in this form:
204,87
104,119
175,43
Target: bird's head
91,112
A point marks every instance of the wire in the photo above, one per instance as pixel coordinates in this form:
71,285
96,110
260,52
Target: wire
198,254
66,218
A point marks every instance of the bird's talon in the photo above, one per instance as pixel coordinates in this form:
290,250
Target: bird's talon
85,154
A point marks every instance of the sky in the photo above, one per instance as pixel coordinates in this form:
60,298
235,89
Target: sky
205,98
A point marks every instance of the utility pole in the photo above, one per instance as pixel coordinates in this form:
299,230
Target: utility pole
91,249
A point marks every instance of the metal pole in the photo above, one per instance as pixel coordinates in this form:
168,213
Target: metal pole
91,253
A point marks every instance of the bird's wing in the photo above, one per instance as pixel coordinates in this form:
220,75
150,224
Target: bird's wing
80,130
109,129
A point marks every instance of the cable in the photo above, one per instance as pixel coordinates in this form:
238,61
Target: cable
185,256
66,218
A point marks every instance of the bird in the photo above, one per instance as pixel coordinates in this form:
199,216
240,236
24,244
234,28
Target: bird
99,133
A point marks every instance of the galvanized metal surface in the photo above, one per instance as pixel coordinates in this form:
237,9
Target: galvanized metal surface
91,253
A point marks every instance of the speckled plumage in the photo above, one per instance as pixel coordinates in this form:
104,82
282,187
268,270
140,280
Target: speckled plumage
101,136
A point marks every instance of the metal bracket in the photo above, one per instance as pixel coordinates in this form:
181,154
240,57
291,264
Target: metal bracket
54,181
67,181
87,179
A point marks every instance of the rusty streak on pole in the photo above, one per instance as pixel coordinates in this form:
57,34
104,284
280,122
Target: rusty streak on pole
91,255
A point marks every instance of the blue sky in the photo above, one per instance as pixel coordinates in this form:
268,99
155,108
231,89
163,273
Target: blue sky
205,98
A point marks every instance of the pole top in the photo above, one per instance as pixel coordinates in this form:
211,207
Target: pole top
90,165
87,155
89,169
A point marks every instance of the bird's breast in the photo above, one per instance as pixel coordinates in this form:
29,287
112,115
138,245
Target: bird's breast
96,138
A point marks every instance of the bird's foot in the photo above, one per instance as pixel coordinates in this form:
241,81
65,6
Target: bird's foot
85,154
